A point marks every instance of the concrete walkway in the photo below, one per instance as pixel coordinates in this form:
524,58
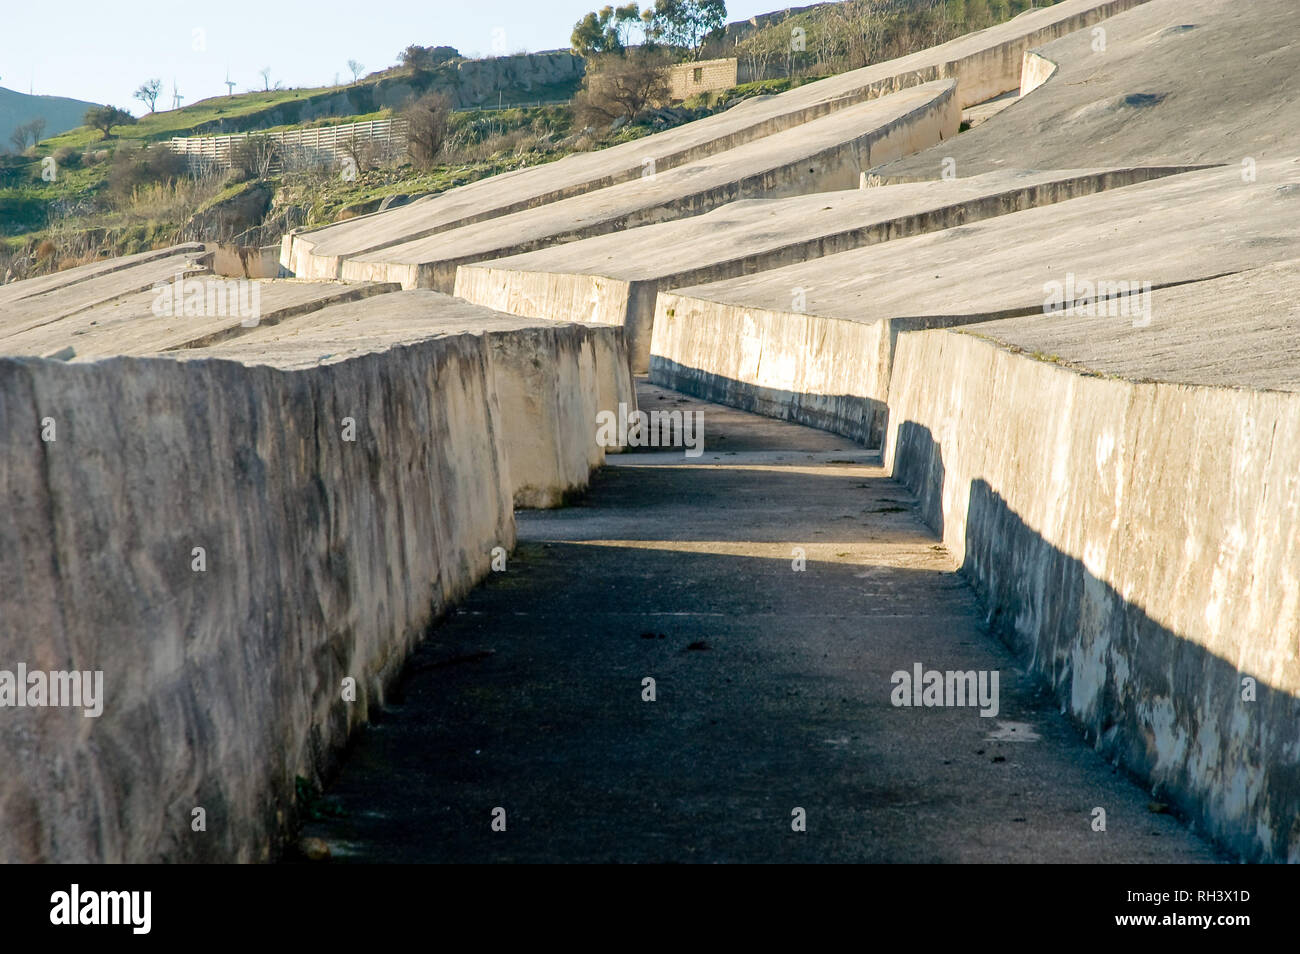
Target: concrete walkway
772,688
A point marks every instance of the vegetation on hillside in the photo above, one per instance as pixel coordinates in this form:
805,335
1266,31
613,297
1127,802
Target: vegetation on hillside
839,37
836,37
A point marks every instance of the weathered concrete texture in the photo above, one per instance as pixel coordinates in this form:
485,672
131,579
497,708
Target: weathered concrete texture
48,301
739,342
14,291
985,64
325,559
1178,82
243,261
1036,70
982,112
347,472
821,155
1232,332
615,278
130,325
550,379
1139,545
772,688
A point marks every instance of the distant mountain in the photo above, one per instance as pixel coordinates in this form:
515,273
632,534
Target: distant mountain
59,113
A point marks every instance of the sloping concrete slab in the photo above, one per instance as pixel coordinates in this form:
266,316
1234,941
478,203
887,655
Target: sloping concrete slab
1238,331
14,291
739,342
614,278
1178,82
825,154
59,301
154,321
985,64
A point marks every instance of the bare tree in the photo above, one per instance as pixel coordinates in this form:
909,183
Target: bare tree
618,86
356,69
255,156
148,93
32,130
760,48
428,122
265,73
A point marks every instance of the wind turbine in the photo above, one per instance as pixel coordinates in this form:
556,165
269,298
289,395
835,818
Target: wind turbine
176,97
230,85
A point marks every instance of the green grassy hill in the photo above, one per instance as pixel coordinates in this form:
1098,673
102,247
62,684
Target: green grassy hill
369,98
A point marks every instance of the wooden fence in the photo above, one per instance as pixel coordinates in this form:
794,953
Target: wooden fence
296,148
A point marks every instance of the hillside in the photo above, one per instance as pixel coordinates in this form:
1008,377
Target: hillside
526,78
59,113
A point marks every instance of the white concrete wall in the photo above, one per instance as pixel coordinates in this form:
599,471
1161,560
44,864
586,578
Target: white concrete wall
1139,544
1035,71
325,559
605,299
551,382
242,261
831,373
824,372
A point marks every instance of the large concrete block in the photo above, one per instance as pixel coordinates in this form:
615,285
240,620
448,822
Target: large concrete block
347,471
1004,266
325,559
1170,82
616,278
1138,544
822,155
551,379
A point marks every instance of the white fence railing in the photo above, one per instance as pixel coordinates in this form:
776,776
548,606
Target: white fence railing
324,145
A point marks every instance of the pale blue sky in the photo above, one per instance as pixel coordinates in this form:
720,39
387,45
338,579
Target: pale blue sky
102,50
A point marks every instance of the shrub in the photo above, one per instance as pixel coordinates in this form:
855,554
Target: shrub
254,156
429,120
619,85
136,168
67,157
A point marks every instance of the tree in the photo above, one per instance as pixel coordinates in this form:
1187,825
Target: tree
356,69
622,86
104,118
428,122
610,29
596,33
148,93
255,156
688,23
265,73
32,130
427,57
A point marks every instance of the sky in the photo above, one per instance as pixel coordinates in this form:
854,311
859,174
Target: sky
102,50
